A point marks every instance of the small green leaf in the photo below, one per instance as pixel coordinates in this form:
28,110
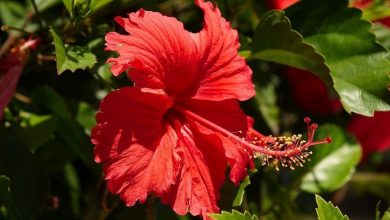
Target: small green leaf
46,4
386,215
331,165
71,57
97,4
69,6
274,40
35,130
6,197
359,66
326,210
241,191
234,215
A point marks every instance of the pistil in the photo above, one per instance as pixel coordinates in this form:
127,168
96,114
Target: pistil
286,151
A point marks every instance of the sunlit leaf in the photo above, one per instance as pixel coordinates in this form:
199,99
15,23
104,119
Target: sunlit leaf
71,57
326,210
274,40
331,165
234,215
351,52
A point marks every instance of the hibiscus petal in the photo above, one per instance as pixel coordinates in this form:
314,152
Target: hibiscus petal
373,133
133,143
8,82
201,175
159,52
225,74
228,115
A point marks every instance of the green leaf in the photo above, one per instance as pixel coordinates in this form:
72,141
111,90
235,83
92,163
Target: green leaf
68,129
331,165
386,215
6,197
97,4
71,57
326,210
12,13
358,64
69,6
43,5
266,100
274,40
35,130
234,215
241,191
73,135
382,33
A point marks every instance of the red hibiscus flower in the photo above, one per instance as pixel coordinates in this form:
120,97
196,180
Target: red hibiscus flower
373,133
173,133
11,68
310,93
280,4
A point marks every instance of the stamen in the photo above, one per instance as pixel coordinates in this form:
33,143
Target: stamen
272,151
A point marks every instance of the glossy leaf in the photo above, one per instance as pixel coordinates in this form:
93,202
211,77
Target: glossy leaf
274,40
71,57
326,210
331,165
234,215
351,52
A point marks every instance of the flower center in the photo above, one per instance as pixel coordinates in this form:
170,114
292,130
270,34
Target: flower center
286,151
